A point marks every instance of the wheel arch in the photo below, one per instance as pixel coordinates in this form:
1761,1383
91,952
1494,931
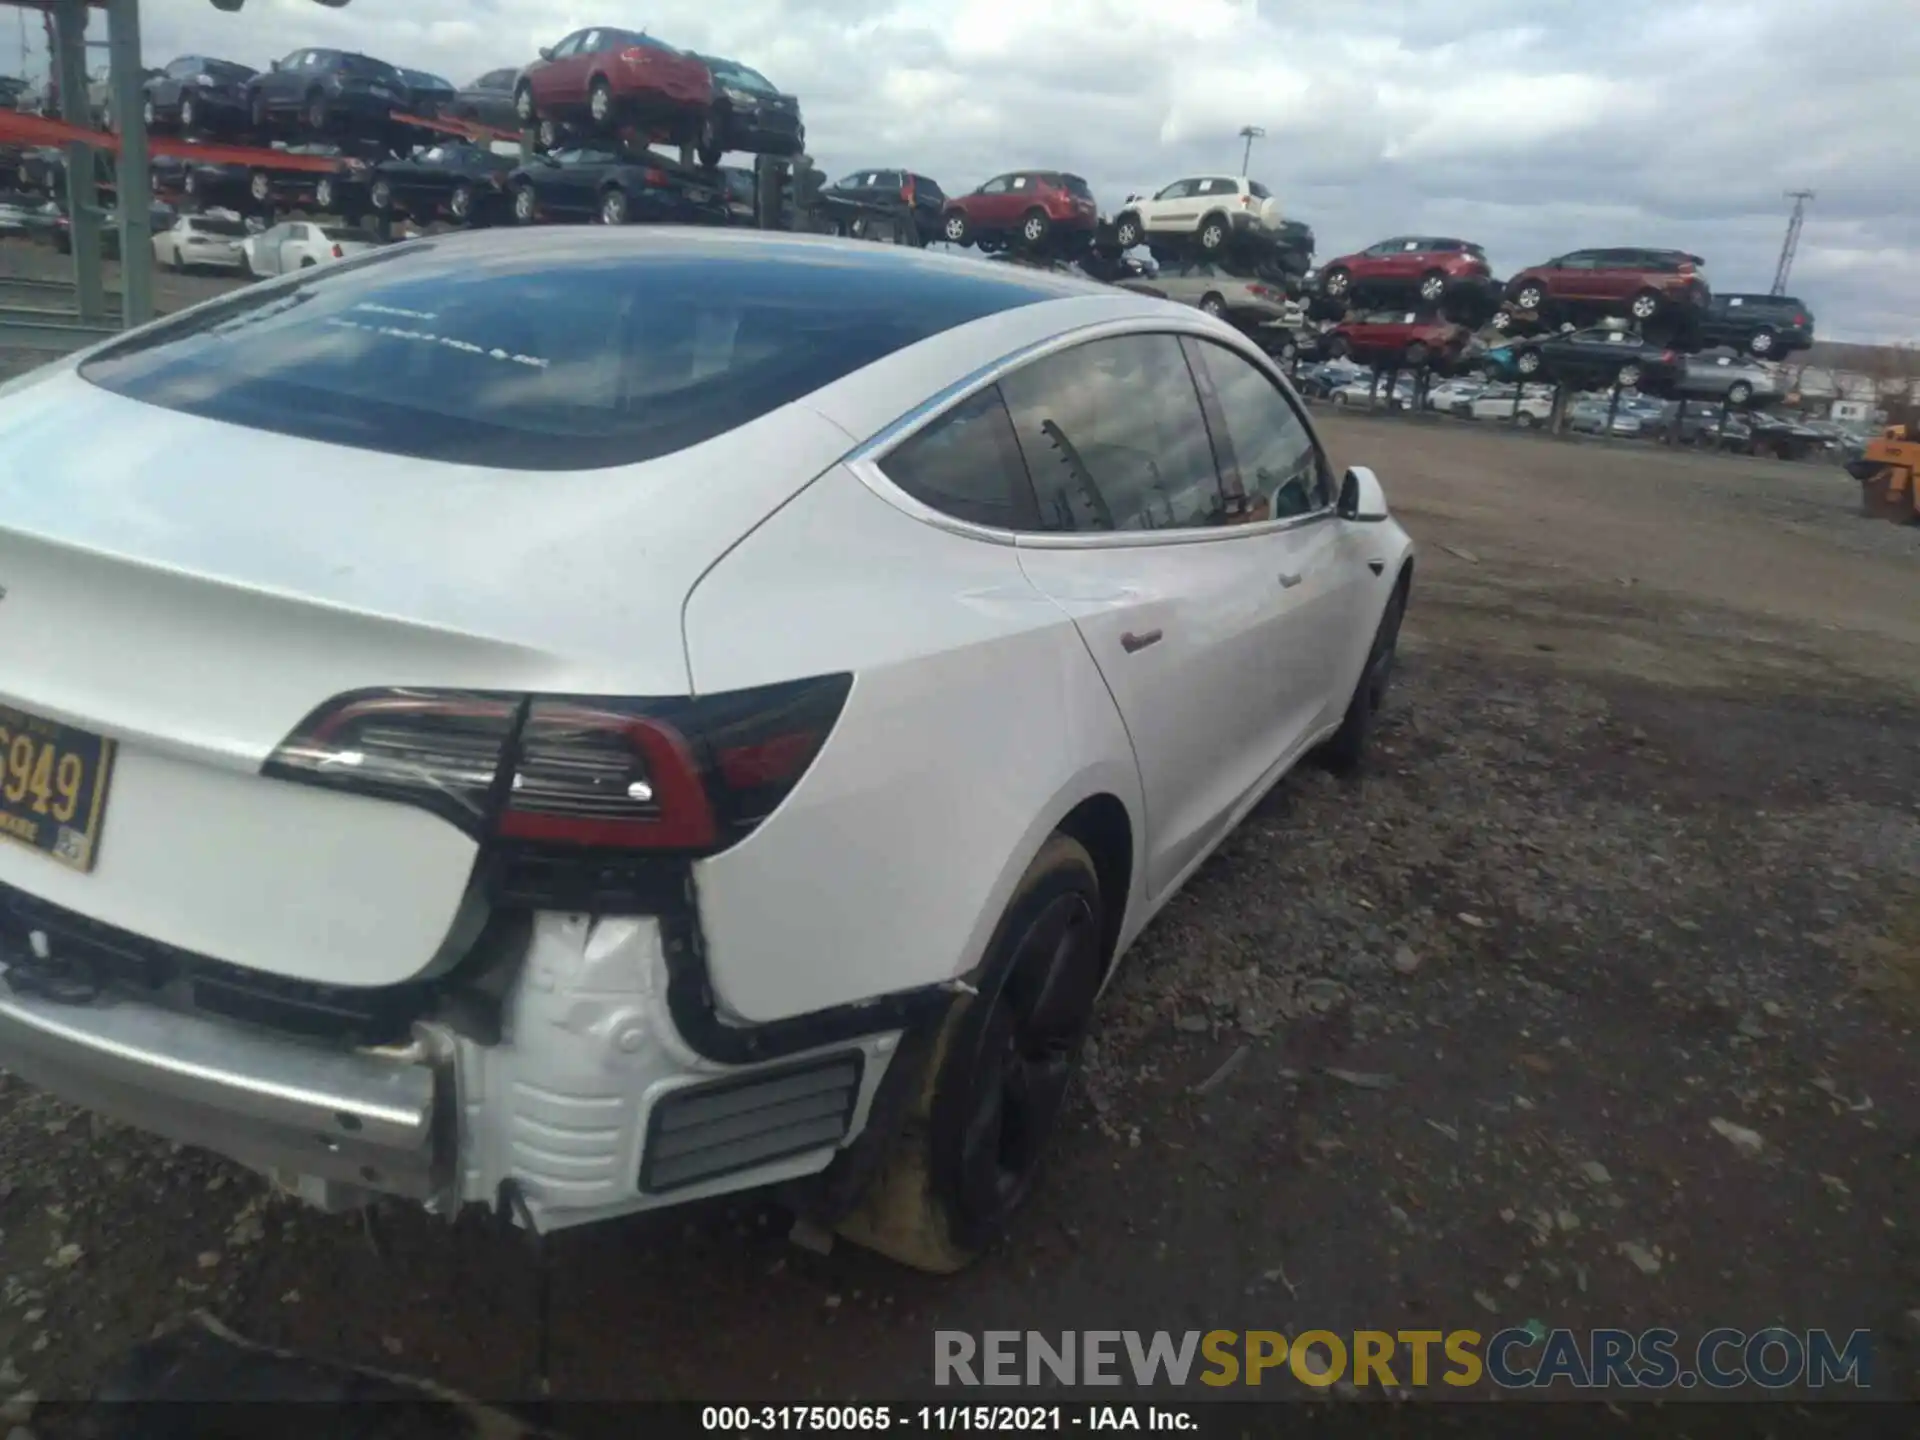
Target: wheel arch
1214,214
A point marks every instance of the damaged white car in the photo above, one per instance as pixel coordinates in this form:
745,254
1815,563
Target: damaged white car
637,714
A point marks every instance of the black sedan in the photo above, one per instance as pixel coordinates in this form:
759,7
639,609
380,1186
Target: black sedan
464,182
1601,357
426,95
199,96
749,113
487,101
883,189
604,185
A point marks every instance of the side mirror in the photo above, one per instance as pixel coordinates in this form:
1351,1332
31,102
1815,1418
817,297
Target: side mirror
546,52
1361,498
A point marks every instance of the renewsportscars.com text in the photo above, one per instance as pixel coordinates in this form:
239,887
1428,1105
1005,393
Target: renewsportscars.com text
1513,1359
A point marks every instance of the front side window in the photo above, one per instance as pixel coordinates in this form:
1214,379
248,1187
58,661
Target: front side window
1280,466
1179,190
996,186
967,464
1114,437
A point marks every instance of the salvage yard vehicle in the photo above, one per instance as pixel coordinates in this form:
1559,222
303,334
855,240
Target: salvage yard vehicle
1725,374
1245,302
1602,356
607,184
924,198
201,242
1424,266
1207,209
1400,338
1030,207
464,182
301,245
1496,403
320,92
488,100
608,77
1642,285
750,113
559,839
1766,325
198,96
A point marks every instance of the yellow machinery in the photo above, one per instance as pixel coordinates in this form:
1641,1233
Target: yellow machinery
1889,474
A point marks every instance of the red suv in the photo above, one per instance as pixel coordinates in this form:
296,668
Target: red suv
1427,265
1641,284
1028,205
607,76
1398,338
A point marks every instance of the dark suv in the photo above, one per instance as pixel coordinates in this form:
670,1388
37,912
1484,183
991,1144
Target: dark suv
1766,325
1641,284
894,187
1427,266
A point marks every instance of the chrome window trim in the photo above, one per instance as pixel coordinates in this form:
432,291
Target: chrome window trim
864,460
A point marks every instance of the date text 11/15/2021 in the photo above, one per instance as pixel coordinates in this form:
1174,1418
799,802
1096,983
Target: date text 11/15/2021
941,1419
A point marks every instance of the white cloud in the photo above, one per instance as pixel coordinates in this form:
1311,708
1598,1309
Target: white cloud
1533,126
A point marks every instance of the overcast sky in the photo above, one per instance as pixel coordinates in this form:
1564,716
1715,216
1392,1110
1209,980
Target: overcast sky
1531,126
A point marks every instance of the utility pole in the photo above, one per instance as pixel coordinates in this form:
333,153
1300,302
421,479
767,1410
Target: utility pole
1792,242
1249,133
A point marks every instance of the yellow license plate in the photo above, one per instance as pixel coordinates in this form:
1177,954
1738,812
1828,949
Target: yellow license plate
53,786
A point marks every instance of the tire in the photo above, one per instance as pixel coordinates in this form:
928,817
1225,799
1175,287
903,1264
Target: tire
381,196
1644,307
1525,420
1337,283
147,114
613,206
262,116
600,102
1433,287
1338,397
523,104
526,208
711,142
189,121
1502,321
316,112
1034,226
1763,341
1128,231
955,228
1213,304
1416,356
260,186
1346,751
1339,347
1739,393
177,265
1628,378
308,263
999,1071
1530,297
549,135
323,196
460,204
1527,362
1213,235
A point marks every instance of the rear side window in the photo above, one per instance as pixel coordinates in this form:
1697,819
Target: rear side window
967,464
1258,191
565,357
1114,437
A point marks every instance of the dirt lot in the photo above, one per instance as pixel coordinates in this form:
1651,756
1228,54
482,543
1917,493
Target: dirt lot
1640,853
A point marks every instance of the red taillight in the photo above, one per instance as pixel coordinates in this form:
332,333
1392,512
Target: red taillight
1264,292
636,55
906,192
1799,319
338,253
573,773
1669,357
656,177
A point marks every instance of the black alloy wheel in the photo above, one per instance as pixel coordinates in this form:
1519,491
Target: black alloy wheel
1213,304
526,208
613,207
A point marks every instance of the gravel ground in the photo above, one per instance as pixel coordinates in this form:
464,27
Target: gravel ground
1638,863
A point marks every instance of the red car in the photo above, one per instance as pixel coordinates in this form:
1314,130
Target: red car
1398,338
1028,204
607,76
1426,265
1641,284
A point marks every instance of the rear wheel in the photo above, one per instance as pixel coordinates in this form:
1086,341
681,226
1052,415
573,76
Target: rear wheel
1213,304
1339,347
1213,234
1628,378
381,195
189,116
1347,749
525,208
260,186
460,203
1433,287
1128,231
613,207
1527,362
711,142
955,229
1416,355
1529,297
1336,283
1739,393
1034,226
1645,306
1763,341
997,1077
323,196
600,102
523,103
316,112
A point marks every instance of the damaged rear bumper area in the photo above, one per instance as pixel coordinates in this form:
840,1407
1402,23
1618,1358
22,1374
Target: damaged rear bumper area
585,1096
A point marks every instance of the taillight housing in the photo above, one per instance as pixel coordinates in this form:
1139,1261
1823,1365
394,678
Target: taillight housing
338,253
570,773
636,55
906,192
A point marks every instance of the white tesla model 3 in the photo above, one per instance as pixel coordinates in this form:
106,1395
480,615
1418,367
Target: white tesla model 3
635,714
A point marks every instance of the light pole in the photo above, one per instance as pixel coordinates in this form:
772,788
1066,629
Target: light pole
1249,133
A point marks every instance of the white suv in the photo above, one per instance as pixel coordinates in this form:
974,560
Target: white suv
1211,208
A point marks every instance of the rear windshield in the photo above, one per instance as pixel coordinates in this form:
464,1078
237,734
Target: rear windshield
367,65
218,227
226,70
1258,191
1074,185
729,73
343,232
571,356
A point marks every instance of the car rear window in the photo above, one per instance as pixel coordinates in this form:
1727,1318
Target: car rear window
367,65
1258,191
345,232
572,355
218,227
1074,185
226,70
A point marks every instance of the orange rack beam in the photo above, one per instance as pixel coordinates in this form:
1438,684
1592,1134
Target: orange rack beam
22,128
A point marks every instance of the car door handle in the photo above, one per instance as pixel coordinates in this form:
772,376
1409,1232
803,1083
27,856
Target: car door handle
1131,642
1290,578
